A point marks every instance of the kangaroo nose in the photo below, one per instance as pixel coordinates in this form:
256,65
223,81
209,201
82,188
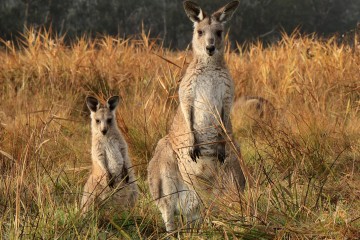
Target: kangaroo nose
210,49
104,131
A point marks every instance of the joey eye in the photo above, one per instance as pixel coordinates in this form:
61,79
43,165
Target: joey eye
97,121
109,120
200,32
219,33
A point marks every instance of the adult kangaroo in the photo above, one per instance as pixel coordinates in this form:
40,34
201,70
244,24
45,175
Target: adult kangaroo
198,147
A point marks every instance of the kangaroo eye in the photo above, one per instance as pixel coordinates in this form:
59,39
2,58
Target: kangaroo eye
97,121
200,32
219,33
109,120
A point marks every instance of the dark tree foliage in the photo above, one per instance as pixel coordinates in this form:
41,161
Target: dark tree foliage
255,19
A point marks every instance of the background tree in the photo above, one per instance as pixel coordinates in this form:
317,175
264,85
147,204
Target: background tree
255,19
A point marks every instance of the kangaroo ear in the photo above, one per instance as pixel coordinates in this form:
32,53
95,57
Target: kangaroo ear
92,103
225,13
193,11
113,102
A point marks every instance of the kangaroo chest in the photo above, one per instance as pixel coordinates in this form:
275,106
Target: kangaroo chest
109,152
209,93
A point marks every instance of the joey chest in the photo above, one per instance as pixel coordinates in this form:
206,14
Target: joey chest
107,153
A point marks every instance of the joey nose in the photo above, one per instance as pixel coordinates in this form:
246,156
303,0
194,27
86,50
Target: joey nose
210,49
104,131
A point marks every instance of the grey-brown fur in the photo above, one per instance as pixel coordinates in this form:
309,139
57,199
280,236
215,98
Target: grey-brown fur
112,177
263,107
252,112
171,194
198,147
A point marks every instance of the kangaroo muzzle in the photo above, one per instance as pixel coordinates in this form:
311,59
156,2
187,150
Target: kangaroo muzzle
210,50
103,129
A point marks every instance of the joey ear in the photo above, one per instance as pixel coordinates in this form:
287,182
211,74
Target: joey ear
193,11
113,102
225,13
92,103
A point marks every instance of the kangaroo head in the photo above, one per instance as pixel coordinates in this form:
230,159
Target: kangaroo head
102,115
208,36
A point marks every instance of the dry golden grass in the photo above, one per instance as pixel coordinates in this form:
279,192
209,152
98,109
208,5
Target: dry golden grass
304,163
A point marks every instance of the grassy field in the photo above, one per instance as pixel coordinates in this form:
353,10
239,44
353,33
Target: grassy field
303,162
